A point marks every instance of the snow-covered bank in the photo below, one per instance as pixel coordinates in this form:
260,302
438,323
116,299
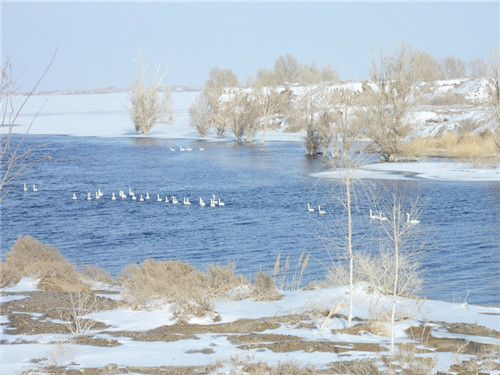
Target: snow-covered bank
435,171
20,352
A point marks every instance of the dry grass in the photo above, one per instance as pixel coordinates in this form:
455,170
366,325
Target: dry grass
96,274
29,257
154,282
265,287
289,277
248,365
449,99
188,289
463,146
222,282
378,271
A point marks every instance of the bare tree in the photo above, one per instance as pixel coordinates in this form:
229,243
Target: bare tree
388,106
15,159
238,110
303,117
210,105
454,68
148,105
478,68
287,69
494,95
199,114
400,227
348,120
268,104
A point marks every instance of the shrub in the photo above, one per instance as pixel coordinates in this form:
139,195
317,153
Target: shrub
264,287
221,280
378,271
29,257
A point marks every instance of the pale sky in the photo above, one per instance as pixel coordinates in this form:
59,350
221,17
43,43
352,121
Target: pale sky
96,42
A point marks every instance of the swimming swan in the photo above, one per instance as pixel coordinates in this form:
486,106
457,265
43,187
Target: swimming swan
373,217
321,212
412,221
186,201
34,188
113,197
74,196
89,198
202,204
147,196
141,199
174,200
158,199
25,188
382,218
220,203
309,208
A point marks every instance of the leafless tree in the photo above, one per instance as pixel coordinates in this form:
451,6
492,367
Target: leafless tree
454,68
387,107
150,102
400,225
199,114
303,116
494,95
348,119
287,69
478,68
15,159
210,105
269,103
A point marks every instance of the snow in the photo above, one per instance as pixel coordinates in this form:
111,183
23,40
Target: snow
50,348
436,171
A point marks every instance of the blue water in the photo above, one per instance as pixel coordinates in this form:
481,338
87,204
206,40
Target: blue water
265,190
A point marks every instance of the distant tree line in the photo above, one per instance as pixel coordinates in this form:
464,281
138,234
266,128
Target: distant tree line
305,97
332,114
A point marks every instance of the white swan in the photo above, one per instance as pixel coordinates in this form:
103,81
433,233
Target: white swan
309,208
100,193
133,197
189,149
74,196
172,149
373,217
166,199
25,188
113,197
34,188
320,211
220,203
174,200
141,199
158,199
201,149
89,198
147,196
97,196
186,201
412,221
202,204
212,202
130,192
182,149
382,218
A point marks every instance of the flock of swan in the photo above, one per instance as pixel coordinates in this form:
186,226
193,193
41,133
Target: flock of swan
377,217
381,217
144,198
187,148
